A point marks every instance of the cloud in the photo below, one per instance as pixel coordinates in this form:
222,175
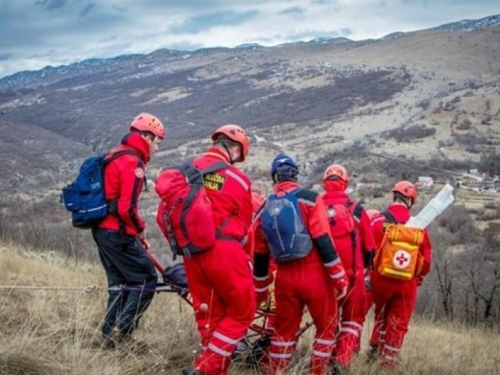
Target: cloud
87,9
206,22
54,32
311,34
293,11
185,46
50,4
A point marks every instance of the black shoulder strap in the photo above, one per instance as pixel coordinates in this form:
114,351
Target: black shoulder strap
358,210
306,194
127,151
389,217
214,167
192,173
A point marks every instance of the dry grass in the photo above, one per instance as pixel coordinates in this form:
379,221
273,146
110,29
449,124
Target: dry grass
55,331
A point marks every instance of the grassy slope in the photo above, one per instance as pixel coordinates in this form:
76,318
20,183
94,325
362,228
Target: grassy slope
54,331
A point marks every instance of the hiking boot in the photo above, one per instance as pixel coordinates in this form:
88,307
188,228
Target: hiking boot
373,354
190,371
127,342
110,341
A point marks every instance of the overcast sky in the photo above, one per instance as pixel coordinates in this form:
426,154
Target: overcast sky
37,33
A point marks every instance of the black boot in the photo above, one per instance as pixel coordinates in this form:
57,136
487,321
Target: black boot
373,354
190,371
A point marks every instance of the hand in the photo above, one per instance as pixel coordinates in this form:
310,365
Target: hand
341,293
144,241
341,286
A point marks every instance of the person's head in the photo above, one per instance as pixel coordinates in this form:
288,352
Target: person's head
404,192
284,168
150,128
232,139
335,178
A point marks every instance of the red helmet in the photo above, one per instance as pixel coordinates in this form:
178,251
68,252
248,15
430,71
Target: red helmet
372,213
146,122
236,134
338,171
406,189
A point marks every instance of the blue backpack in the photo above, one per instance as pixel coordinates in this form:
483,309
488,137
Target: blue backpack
85,197
284,229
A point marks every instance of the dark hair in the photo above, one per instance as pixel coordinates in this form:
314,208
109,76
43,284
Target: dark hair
400,197
148,134
225,141
285,172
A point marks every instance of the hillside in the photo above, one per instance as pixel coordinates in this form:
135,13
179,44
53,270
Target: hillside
423,103
52,329
311,99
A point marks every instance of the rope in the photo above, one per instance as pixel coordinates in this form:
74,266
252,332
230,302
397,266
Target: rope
95,288
87,289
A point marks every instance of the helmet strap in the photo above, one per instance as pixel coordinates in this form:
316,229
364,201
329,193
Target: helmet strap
408,202
228,151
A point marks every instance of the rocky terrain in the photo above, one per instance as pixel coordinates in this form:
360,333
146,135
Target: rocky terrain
384,108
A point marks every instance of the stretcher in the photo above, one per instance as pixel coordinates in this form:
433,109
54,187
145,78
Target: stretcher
249,350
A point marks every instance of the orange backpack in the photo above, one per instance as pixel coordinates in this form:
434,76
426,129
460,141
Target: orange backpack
398,255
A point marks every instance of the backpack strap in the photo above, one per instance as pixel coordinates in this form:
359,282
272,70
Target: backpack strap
127,151
210,169
389,217
214,167
348,204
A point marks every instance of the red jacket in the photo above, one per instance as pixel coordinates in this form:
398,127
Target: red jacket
364,241
314,217
123,182
229,190
402,214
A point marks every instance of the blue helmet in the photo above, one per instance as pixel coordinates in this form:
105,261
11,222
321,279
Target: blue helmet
284,167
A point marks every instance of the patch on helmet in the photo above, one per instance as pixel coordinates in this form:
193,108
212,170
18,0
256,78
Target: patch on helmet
139,173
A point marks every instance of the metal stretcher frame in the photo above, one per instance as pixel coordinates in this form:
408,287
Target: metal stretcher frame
258,336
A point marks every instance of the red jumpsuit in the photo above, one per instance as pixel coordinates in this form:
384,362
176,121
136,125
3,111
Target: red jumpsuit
220,279
308,282
394,299
123,182
356,252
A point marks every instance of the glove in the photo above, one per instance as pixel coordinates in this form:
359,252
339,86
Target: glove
338,276
420,280
341,286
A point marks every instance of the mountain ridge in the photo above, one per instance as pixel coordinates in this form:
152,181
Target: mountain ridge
28,76
318,101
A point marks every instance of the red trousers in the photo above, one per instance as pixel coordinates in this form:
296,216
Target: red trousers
394,305
299,284
221,284
352,317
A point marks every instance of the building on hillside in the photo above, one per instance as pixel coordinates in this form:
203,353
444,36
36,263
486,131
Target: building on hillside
425,183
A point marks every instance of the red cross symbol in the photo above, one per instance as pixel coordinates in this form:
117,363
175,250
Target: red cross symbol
402,259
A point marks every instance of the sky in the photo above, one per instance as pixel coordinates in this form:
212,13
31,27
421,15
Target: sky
38,33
